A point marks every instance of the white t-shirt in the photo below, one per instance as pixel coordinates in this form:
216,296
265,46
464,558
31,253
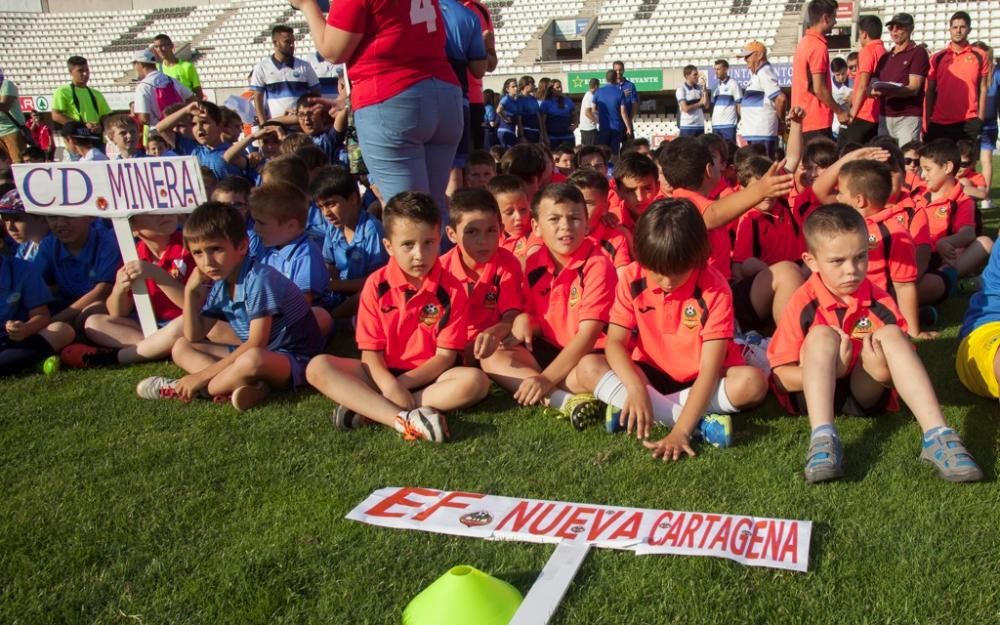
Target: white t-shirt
94,154
691,95
841,93
283,83
145,95
725,97
757,107
588,103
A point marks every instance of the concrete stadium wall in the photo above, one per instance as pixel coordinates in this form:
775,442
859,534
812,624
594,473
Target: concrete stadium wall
26,6
64,6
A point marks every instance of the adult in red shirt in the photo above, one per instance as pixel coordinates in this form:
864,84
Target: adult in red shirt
907,64
811,73
406,98
864,107
957,86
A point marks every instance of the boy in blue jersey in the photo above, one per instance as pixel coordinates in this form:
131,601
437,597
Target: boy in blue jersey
978,358
277,331
613,122
279,212
81,262
25,230
27,335
207,145
324,122
353,247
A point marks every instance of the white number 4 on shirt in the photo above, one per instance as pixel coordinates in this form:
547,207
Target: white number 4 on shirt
422,12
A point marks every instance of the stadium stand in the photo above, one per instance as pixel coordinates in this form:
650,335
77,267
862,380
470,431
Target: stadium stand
226,39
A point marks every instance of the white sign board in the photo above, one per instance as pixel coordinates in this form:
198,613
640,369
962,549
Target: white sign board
752,541
114,190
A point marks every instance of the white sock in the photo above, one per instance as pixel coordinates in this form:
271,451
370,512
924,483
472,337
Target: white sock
557,399
719,402
666,408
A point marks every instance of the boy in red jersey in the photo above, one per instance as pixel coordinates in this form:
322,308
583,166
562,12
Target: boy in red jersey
568,292
515,213
491,275
613,241
842,348
677,312
412,325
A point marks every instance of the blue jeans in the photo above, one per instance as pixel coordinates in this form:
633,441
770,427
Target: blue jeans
408,142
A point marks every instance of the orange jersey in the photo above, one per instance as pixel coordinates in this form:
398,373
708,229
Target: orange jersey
812,56
949,213
769,237
670,328
892,255
915,220
805,203
973,177
914,185
614,242
409,324
520,247
560,299
868,59
495,292
957,75
718,238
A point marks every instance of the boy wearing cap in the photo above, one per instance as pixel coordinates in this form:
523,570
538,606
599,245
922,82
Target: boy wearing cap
155,91
25,229
907,64
764,104
82,143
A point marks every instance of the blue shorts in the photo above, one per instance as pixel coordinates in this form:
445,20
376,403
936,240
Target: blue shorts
988,140
297,362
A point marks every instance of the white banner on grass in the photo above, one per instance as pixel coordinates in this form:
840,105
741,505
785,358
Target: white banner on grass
752,541
111,189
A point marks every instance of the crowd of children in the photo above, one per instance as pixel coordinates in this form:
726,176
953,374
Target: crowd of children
676,287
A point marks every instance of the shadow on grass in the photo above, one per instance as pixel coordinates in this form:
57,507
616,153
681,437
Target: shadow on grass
863,454
981,429
822,535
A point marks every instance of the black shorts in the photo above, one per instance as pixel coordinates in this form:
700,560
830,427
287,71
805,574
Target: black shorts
477,112
659,380
858,131
970,129
744,312
545,352
844,402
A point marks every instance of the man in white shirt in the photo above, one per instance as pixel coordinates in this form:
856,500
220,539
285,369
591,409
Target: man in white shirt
279,80
588,115
726,99
155,91
692,99
764,104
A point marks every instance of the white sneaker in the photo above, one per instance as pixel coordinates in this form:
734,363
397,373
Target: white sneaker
422,424
157,387
246,397
755,355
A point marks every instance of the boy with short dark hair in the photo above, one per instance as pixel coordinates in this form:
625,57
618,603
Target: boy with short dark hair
491,275
677,313
158,146
842,348
277,331
592,157
973,182
515,213
480,169
958,250
235,191
613,241
412,324
527,163
207,143
568,293
637,184
82,142
323,124
353,247
290,168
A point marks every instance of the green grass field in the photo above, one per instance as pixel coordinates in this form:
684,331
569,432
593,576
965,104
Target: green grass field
118,510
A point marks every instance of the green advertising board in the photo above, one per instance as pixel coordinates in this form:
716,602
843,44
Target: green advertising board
644,79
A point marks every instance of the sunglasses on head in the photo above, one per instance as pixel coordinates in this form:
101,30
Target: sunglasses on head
911,161
965,163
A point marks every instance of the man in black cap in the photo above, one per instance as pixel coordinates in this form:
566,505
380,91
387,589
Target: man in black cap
81,142
907,64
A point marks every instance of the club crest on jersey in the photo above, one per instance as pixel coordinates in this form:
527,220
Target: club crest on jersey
476,519
872,241
862,327
574,296
689,317
941,211
490,301
430,314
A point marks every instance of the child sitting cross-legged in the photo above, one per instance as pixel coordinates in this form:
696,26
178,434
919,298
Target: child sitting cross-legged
164,264
842,348
492,275
277,332
412,325
26,335
684,370
569,287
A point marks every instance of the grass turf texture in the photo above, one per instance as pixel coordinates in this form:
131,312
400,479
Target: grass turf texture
118,510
